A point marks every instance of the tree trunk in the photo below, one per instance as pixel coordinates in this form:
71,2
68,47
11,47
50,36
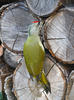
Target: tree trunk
43,7
59,35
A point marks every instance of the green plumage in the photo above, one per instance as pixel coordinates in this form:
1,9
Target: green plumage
34,55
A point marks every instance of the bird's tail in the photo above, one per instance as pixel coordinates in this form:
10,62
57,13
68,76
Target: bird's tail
44,82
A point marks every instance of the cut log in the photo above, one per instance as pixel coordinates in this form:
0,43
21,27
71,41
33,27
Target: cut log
59,36
8,87
43,7
70,87
48,64
11,58
5,71
25,88
58,83
71,94
15,20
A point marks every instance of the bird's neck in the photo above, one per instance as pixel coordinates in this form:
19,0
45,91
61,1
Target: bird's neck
33,35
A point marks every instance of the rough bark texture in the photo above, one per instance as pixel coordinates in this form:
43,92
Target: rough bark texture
15,20
4,72
43,7
59,35
8,87
24,87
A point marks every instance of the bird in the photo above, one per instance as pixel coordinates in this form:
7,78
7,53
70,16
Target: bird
34,55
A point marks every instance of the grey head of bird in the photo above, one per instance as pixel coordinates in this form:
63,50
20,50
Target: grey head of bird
34,28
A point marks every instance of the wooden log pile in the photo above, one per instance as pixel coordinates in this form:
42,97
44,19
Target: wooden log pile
57,36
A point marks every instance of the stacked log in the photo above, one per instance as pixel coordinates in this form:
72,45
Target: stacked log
58,39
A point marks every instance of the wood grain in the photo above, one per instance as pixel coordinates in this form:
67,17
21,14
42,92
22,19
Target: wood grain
12,59
70,87
24,87
59,36
43,7
15,20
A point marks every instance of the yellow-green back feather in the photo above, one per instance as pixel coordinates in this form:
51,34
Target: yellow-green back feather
34,55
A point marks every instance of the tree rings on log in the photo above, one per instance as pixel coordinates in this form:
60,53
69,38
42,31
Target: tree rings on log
43,7
8,88
59,36
12,59
58,83
15,20
48,64
25,88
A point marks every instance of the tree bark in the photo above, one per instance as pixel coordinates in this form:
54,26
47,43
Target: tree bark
5,71
8,87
